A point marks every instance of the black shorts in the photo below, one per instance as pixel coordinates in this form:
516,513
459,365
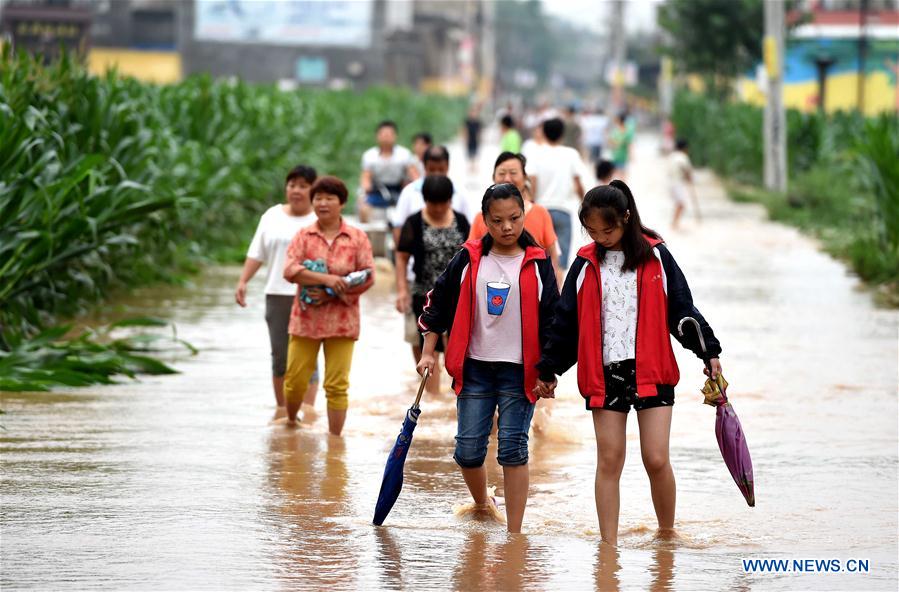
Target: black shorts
621,390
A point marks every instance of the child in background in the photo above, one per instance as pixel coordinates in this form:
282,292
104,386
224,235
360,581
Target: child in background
420,144
680,172
605,172
510,140
496,298
620,139
622,297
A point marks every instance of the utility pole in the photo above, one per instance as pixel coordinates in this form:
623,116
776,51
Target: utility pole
775,131
862,54
618,40
487,91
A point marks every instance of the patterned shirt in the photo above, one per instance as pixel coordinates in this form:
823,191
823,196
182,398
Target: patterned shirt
619,309
349,251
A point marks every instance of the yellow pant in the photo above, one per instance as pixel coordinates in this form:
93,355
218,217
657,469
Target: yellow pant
302,355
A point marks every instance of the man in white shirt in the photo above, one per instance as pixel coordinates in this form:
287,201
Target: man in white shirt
594,124
386,169
436,161
555,174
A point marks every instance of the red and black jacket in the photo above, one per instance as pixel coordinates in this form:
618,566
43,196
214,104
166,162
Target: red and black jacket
663,299
450,307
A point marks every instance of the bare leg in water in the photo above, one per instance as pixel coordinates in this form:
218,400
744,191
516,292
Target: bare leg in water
278,386
515,481
655,430
308,398
610,428
336,419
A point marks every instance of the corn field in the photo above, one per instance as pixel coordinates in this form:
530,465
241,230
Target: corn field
108,183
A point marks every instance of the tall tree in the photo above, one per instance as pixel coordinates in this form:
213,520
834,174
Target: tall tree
524,38
717,39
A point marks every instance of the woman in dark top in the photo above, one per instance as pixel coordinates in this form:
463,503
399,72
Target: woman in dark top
431,237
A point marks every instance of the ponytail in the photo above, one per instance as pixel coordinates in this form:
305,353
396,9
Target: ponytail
616,205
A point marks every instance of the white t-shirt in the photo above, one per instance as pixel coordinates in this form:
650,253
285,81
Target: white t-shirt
679,167
496,331
555,168
594,126
411,200
530,149
389,170
273,235
619,309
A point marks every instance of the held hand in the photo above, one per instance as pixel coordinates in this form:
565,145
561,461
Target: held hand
403,302
546,390
338,284
715,364
427,361
240,295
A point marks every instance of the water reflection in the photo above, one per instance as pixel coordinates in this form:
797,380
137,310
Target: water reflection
662,569
309,473
606,568
507,564
390,560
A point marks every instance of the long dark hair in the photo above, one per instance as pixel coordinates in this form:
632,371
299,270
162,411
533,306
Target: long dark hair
504,191
614,202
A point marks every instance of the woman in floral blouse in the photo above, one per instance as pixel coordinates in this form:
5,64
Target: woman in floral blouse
331,320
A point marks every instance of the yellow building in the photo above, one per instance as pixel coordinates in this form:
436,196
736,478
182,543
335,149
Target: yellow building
150,66
831,38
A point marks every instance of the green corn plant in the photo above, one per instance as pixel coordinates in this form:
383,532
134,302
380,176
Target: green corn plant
109,183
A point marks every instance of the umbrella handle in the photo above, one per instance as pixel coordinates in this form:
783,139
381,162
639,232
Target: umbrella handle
695,323
421,387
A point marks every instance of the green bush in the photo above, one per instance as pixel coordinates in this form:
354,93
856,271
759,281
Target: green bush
110,183
844,175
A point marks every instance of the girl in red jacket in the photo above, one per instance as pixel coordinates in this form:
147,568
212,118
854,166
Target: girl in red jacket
496,299
622,297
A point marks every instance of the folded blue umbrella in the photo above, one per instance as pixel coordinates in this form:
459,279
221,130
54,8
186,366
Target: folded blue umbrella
392,483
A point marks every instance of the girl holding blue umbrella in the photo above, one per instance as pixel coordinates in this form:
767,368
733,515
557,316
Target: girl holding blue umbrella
498,295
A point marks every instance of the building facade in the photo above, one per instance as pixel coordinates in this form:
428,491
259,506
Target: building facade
335,44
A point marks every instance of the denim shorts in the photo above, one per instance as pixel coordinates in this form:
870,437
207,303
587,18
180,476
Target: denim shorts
487,386
487,379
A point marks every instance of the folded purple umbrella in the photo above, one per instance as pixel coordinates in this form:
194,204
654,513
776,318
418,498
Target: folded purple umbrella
728,430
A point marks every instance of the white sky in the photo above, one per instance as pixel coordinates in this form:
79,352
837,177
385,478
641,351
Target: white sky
638,14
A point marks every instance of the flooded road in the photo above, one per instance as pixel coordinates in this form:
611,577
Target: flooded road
179,482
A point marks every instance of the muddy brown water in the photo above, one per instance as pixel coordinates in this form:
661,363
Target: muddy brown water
179,482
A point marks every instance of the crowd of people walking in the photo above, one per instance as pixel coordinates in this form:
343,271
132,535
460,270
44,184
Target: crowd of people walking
493,287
